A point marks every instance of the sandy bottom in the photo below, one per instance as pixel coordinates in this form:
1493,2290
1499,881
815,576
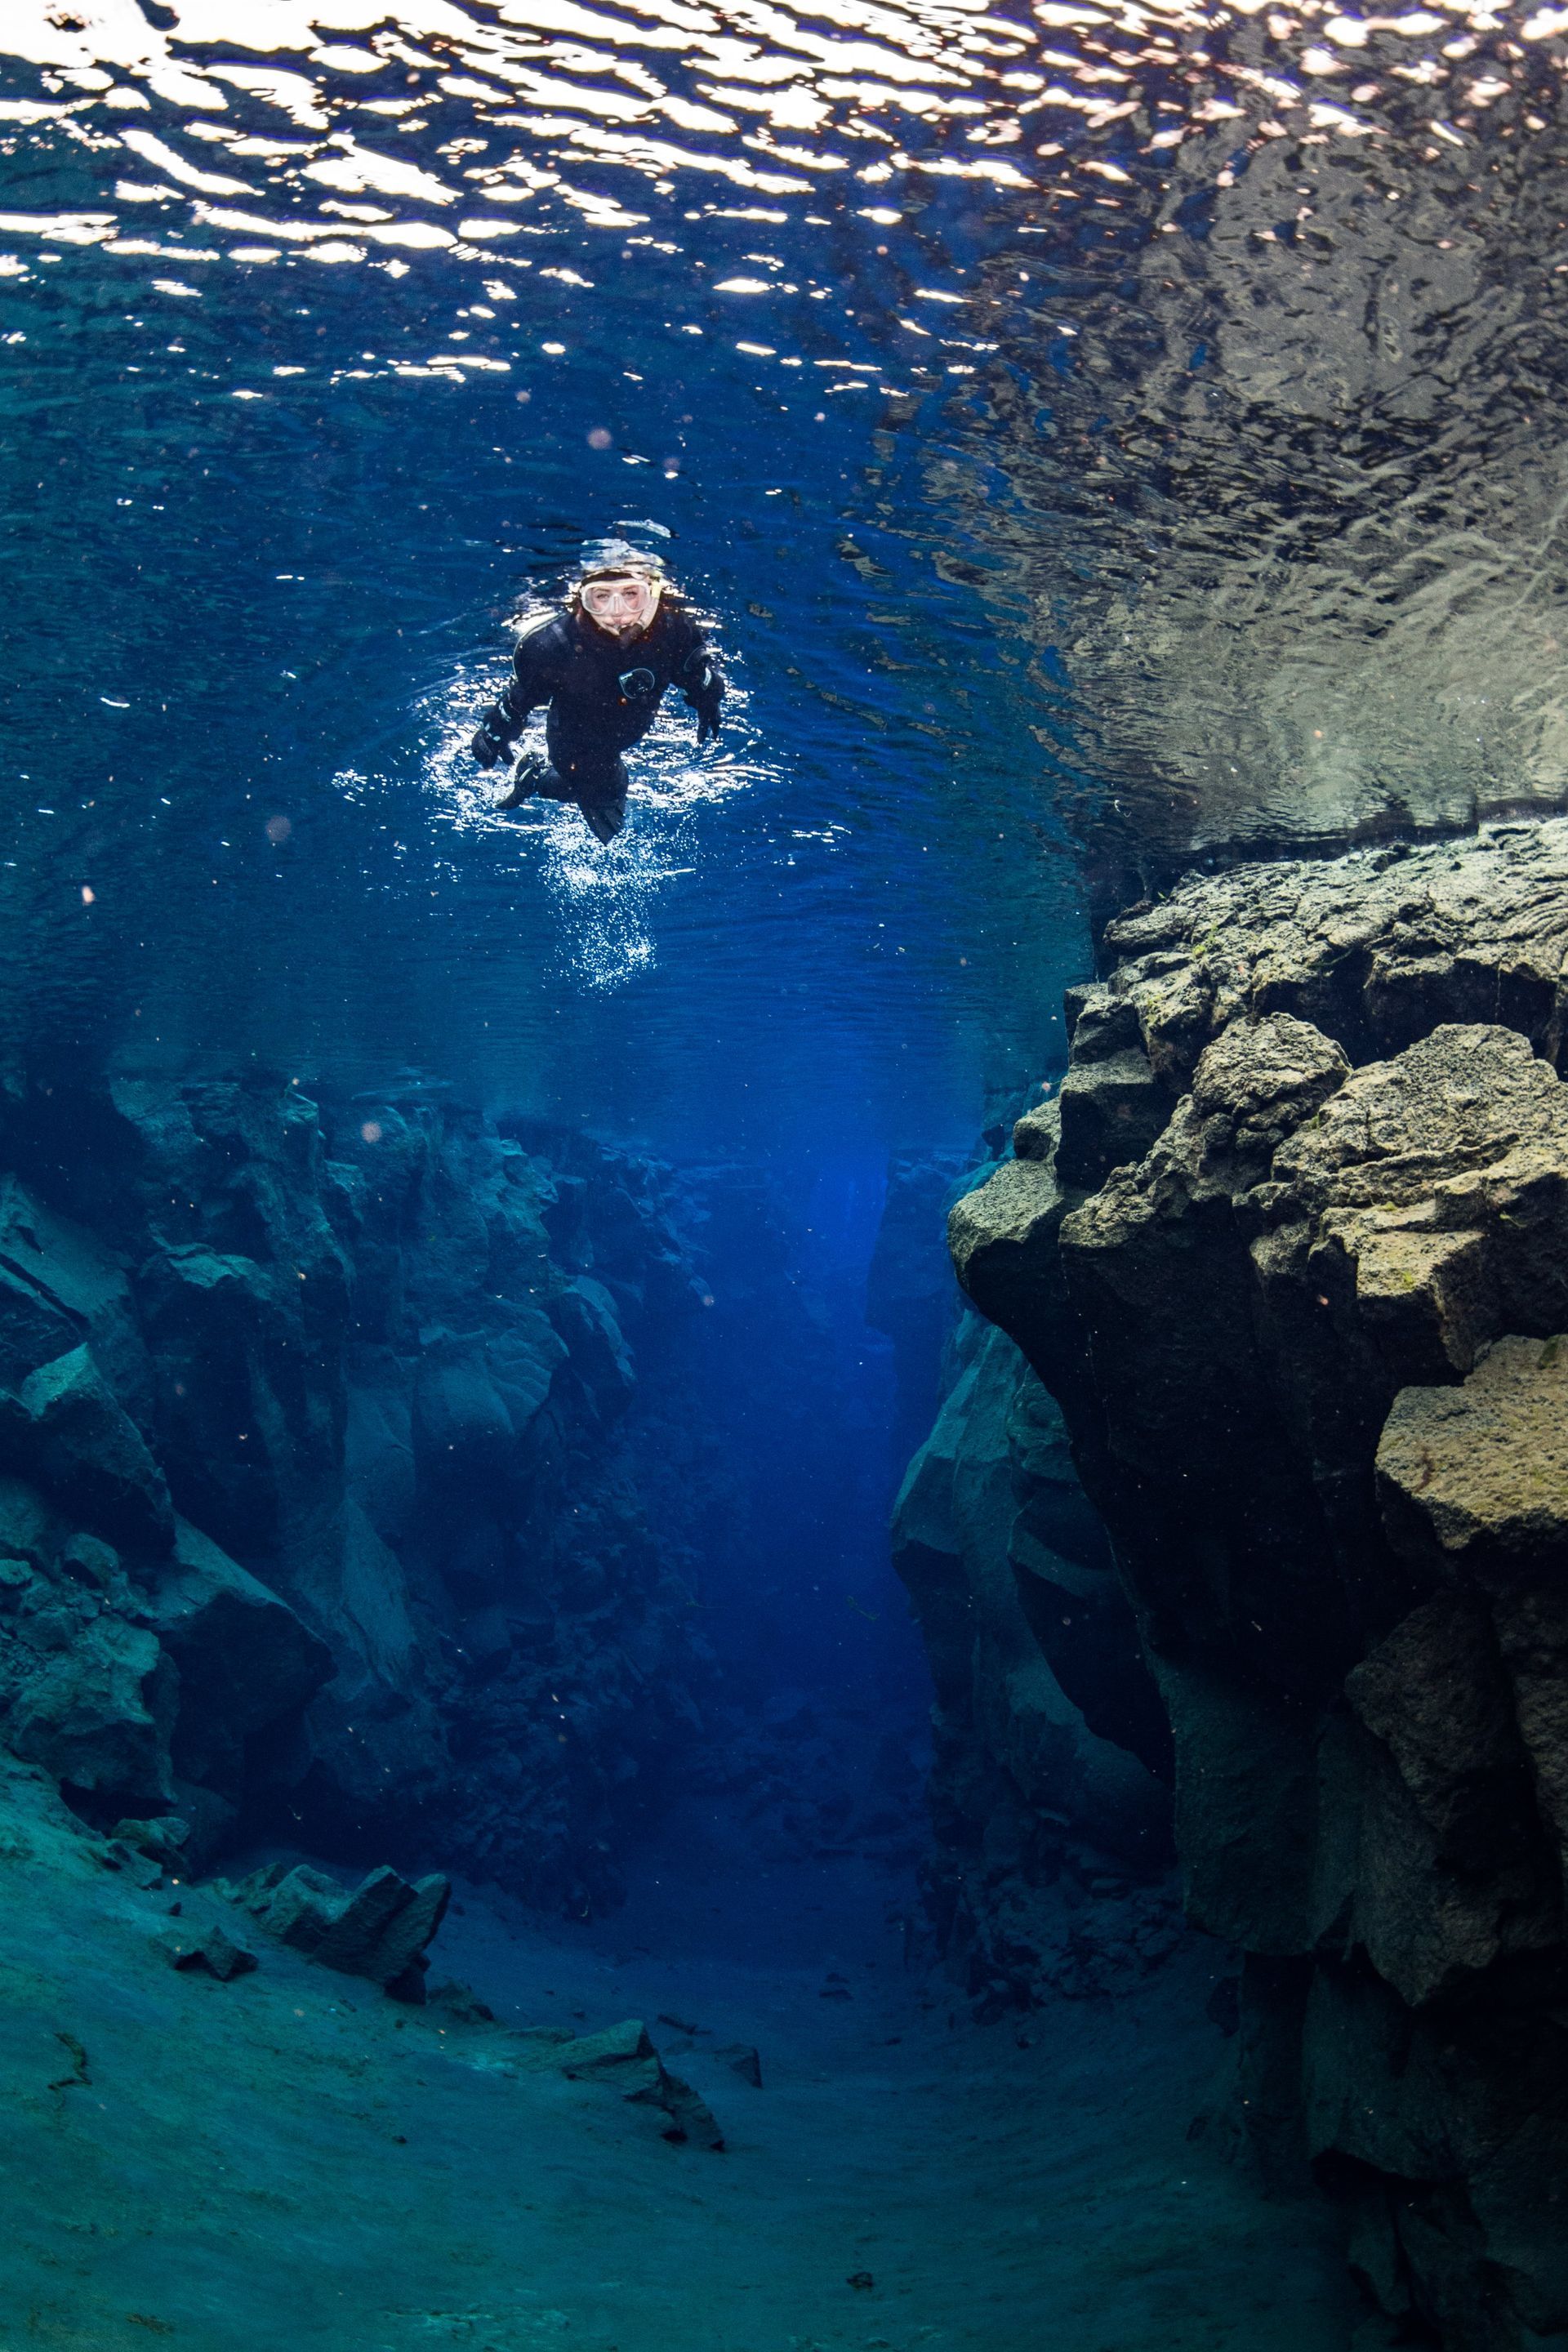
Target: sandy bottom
291,2160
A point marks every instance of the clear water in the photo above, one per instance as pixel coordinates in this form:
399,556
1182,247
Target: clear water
1076,421
265,552
1085,426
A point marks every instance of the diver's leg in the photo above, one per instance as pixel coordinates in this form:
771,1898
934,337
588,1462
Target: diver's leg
602,796
596,778
526,778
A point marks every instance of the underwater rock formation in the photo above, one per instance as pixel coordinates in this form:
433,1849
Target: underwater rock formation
910,1293
1291,1255
317,1505
1052,1831
379,1930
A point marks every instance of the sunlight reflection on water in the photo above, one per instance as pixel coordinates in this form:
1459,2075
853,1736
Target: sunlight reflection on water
917,322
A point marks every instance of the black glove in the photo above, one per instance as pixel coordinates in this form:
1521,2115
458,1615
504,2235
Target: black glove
707,723
485,748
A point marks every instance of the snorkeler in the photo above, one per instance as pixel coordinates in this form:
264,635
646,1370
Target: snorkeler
602,665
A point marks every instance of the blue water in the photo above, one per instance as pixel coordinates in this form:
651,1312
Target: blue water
262,555
327,334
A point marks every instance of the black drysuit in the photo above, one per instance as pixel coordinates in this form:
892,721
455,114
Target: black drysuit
604,694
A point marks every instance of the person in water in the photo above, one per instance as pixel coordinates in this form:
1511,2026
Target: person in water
601,666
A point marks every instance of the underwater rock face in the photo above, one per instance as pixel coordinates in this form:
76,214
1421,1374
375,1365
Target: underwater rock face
910,1293
1052,1838
1305,1334
318,1447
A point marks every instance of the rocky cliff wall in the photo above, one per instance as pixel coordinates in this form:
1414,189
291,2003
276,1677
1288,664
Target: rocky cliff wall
1291,1252
324,1437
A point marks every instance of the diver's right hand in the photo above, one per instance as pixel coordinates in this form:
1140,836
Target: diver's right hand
484,747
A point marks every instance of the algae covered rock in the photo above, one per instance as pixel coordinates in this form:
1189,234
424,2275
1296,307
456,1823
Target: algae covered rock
1474,1484
1476,1479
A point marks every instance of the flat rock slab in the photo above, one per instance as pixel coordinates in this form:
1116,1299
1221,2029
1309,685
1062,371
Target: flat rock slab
741,2059
207,1951
603,2054
1479,1474
623,2057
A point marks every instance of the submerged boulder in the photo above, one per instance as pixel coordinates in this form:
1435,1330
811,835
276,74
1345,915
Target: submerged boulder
206,1951
380,1930
585,1314
33,1328
623,2059
58,1280
1023,1790
65,1429
98,1715
245,1660
461,1425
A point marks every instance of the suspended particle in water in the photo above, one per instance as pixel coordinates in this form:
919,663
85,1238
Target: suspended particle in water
599,438
372,1131
278,828
87,895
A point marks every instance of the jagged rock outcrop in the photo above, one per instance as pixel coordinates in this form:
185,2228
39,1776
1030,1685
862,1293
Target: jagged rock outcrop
318,1441
378,1930
1291,1253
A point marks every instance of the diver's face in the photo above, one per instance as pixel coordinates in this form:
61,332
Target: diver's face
623,605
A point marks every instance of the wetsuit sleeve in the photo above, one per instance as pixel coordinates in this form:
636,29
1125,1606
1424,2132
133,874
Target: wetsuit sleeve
702,681
531,684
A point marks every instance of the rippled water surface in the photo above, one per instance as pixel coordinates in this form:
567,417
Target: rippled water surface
1108,428
326,353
